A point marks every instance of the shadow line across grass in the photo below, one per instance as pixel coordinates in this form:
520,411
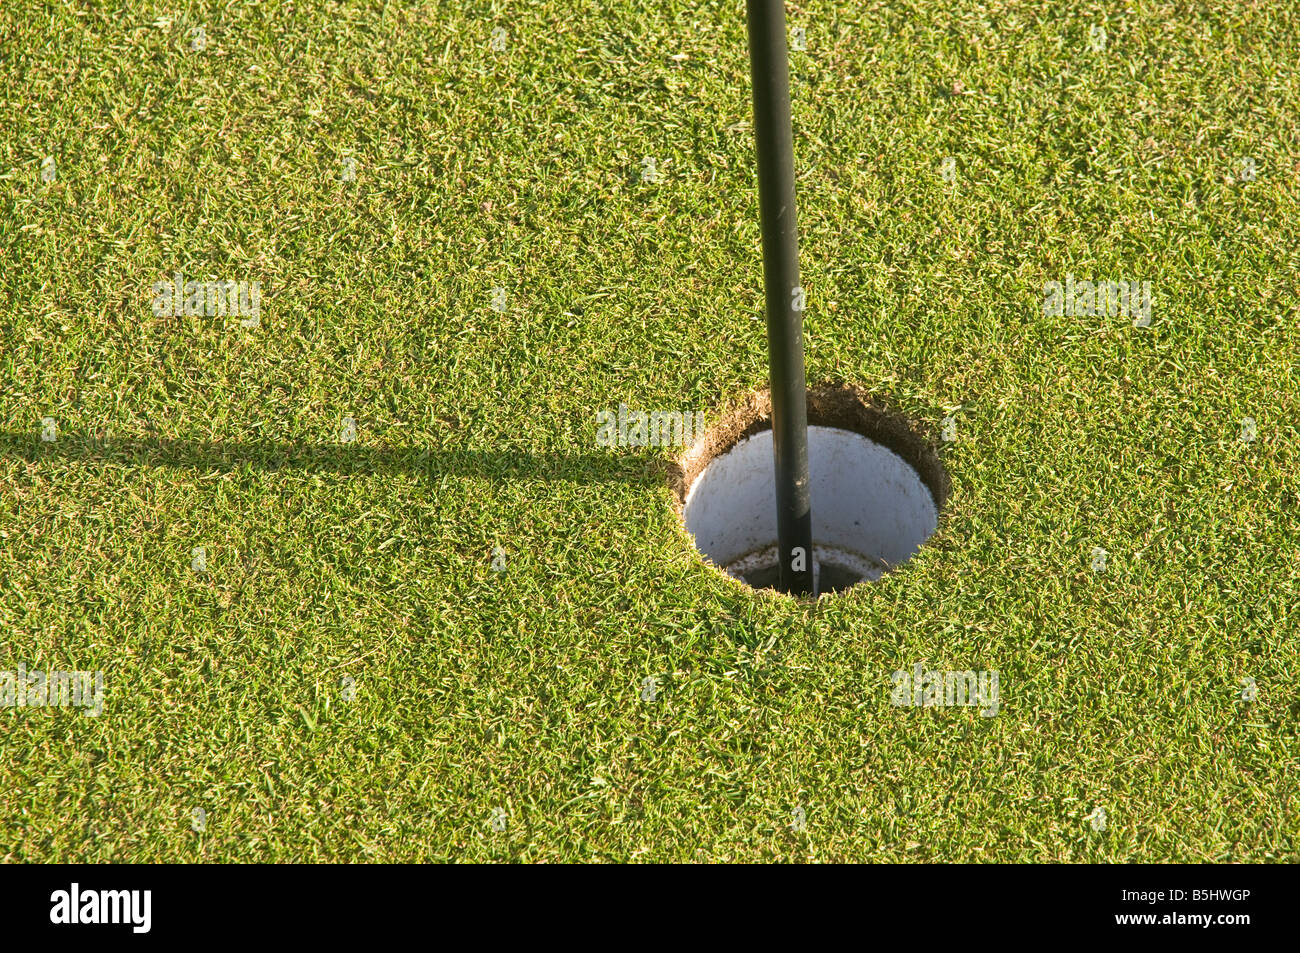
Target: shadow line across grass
503,464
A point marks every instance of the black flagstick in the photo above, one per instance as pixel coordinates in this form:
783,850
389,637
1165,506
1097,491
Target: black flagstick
785,298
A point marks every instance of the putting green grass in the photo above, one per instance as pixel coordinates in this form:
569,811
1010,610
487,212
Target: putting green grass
350,679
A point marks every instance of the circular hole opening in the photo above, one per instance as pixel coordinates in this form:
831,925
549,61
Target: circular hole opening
877,490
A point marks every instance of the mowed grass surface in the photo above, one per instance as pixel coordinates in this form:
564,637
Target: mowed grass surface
522,690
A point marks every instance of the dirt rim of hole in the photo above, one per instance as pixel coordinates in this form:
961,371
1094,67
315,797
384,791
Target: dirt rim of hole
841,406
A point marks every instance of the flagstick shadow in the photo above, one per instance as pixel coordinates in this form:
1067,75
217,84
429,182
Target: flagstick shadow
611,467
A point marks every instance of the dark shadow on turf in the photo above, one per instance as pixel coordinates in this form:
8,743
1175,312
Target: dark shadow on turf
338,458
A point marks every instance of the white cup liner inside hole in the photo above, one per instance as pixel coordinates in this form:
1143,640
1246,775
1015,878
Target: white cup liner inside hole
870,509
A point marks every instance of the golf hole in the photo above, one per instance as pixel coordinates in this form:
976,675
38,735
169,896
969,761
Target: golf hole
877,491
